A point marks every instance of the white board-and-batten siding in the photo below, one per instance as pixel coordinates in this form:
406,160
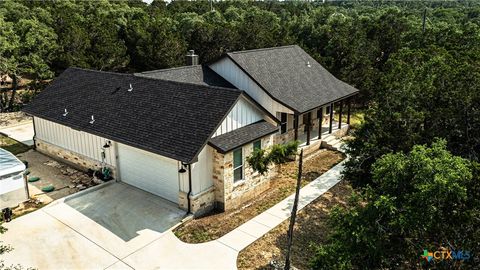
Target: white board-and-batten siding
202,171
226,68
242,114
80,142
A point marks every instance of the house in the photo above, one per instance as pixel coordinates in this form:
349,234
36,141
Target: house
184,133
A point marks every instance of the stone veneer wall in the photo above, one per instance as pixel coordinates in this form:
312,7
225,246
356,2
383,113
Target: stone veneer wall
285,137
200,204
229,194
74,159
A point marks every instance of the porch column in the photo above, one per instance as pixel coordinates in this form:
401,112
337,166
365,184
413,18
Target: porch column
348,110
295,125
320,121
308,124
340,115
331,119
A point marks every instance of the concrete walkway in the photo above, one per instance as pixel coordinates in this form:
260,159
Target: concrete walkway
222,253
22,132
47,239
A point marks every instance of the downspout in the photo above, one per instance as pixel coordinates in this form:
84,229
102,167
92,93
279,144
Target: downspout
34,134
189,188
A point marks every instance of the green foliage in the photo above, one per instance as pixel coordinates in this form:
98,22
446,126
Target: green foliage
419,201
281,153
260,159
355,41
428,93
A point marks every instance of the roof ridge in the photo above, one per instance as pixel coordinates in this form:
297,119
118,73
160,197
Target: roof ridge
167,69
101,71
135,75
187,83
264,49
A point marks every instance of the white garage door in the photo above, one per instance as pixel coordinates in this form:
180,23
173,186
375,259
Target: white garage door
148,171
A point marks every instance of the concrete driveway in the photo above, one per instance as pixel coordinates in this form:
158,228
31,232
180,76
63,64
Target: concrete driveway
22,132
73,234
90,230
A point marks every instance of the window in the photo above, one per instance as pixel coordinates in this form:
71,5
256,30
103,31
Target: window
327,110
237,165
283,123
257,145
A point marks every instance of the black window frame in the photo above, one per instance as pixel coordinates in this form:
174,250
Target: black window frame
240,167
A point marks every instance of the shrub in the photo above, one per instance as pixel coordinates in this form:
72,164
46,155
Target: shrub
259,161
278,154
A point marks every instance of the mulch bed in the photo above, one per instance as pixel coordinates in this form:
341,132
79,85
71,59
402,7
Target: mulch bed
217,224
310,228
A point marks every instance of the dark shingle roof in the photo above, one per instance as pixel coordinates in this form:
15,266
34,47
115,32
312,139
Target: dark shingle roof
242,136
168,118
198,74
284,74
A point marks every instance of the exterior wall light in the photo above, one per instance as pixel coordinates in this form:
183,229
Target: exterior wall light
183,170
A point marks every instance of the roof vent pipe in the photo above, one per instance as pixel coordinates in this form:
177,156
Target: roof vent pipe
65,113
308,64
191,58
130,89
93,120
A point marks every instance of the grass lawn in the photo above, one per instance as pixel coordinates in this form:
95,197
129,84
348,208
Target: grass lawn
310,228
220,223
12,146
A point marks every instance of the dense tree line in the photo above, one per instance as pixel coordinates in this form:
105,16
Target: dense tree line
354,41
417,65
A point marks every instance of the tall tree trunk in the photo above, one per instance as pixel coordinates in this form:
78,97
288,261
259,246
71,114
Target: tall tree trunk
14,91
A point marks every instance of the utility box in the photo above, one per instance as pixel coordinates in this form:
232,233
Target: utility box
13,182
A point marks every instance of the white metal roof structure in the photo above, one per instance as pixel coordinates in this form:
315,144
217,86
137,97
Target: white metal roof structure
9,164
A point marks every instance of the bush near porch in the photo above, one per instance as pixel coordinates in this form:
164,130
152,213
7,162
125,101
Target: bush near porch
217,224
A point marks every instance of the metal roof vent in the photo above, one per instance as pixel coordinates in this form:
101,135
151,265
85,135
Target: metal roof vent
130,89
308,64
65,113
93,120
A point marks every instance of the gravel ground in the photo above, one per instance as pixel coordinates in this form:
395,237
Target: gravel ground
64,178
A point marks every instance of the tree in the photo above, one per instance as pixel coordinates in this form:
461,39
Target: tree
418,201
154,43
427,93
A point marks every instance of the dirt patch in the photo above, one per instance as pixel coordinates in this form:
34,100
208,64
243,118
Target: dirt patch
218,224
27,207
310,228
13,118
65,179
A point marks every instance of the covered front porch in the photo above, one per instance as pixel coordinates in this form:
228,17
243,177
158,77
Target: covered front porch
327,121
317,135
317,124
